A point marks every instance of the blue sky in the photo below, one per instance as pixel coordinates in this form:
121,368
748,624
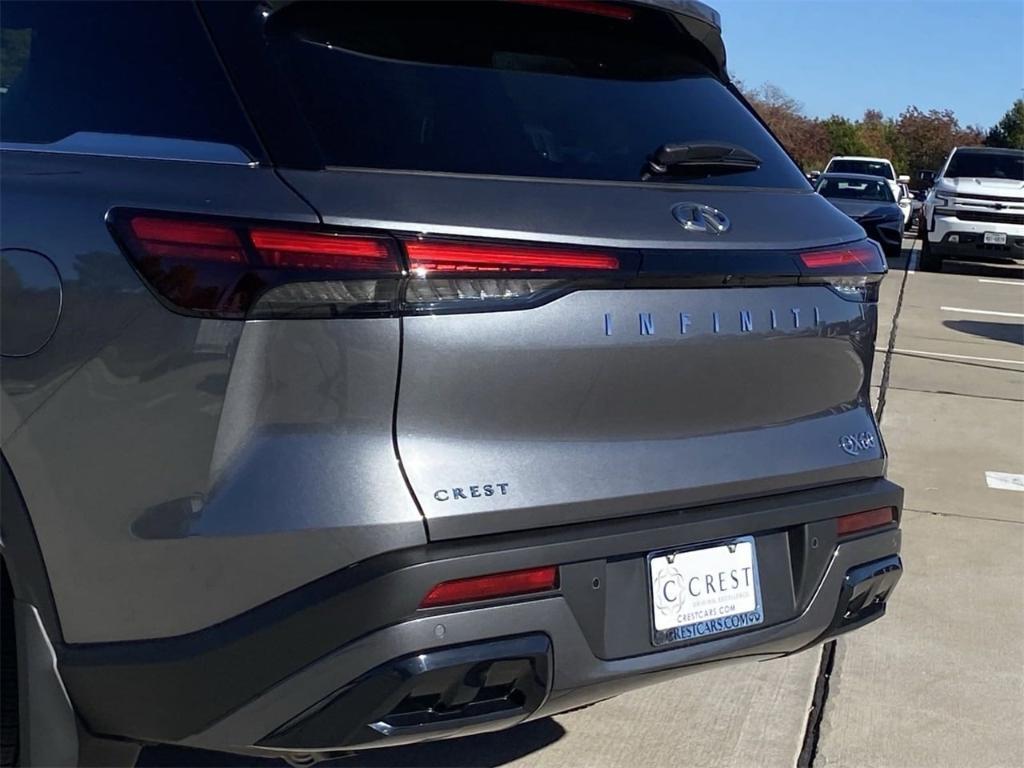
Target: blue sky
844,56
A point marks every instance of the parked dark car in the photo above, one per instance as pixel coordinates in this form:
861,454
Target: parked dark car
869,201
385,372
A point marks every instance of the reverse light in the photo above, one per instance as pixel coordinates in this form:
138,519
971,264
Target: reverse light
492,586
863,521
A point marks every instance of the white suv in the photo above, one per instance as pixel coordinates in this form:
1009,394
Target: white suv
976,208
870,166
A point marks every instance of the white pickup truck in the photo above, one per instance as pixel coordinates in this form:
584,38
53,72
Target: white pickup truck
976,207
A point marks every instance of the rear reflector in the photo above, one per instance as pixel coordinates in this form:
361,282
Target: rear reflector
862,521
426,256
492,586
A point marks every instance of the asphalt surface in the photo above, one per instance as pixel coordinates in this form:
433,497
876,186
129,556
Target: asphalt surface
940,680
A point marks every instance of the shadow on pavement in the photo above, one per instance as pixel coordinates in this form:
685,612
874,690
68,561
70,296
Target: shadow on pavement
1007,270
487,750
1012,332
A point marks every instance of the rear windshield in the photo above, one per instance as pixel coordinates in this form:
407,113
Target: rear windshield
505,88
986,165
856,189
866,167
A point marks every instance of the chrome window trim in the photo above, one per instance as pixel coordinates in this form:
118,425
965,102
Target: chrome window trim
139,148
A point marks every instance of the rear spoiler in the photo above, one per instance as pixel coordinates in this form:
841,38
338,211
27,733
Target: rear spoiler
701,21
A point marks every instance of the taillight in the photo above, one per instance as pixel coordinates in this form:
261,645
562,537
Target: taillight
235,269
467,275
864,521
229,269
175,239
852,271
427,257
492,586
303,250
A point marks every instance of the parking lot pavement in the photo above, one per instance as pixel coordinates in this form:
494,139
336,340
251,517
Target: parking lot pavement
940,681
739,715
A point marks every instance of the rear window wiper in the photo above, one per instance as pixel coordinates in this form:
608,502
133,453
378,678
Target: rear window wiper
699,159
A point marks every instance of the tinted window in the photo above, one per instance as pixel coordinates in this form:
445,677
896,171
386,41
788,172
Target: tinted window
986,165
866,167
501,88
141,69
856,189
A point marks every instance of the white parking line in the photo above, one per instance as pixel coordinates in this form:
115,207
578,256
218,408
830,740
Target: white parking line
982,312
912,263
951,356
1018,283
1004,481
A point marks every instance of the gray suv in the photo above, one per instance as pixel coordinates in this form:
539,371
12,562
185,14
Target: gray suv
383,372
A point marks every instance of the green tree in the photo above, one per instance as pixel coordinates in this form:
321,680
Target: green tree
844,137
1009,131
14,50
925,138
878,134
803,137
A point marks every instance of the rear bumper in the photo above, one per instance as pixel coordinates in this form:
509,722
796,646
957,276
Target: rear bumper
350,661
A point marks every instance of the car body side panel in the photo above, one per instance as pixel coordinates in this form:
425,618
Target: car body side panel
180,471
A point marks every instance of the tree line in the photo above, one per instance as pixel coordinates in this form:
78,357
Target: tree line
914,141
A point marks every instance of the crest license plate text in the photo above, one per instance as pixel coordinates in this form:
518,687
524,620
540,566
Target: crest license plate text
995,238
698,593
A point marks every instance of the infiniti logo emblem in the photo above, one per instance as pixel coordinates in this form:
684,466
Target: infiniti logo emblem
696,217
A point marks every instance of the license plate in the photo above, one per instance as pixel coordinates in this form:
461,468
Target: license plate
698,593
995,238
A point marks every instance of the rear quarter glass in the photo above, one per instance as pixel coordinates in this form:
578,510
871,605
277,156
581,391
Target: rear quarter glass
555,93
116,70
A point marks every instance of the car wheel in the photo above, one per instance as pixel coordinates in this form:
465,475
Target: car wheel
9,669
929,261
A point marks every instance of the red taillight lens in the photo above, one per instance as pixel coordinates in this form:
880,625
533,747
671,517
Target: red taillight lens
228,269
179,239
592,7
860,257
427,256
863,521
491,586
852,271
303,250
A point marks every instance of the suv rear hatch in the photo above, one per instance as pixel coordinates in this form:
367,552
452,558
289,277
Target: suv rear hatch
584,335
